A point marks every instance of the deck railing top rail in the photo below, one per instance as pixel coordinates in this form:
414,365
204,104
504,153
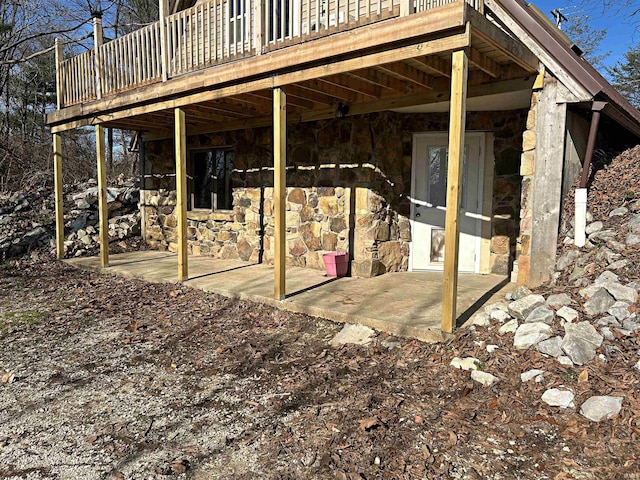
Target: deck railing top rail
214,32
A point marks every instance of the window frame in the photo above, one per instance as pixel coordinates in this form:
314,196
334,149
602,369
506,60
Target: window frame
191,161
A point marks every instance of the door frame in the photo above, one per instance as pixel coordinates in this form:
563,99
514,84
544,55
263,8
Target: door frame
484,182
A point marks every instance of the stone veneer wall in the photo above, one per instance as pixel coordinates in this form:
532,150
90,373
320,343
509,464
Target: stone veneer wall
527,165
350,186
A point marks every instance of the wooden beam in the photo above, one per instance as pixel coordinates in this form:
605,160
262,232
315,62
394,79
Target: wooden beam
457,119
408,73
103,211
380,79
354,84
433,65
57,179
497,38
484,63
279,191
180,134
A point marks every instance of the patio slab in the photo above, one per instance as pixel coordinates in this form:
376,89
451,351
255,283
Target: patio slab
408,304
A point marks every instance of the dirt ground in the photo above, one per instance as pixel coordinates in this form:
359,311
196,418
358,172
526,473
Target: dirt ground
104,377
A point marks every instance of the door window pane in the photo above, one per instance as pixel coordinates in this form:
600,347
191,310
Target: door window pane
437,157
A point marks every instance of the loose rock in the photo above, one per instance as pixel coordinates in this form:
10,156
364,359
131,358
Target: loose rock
558,398
600,408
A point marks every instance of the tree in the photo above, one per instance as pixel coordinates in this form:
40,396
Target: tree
625,75
588,39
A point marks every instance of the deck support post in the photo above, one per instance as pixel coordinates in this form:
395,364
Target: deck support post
181,193
279,190
103,212
457,118
57,180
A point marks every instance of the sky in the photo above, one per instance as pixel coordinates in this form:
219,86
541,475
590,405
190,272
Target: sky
623,30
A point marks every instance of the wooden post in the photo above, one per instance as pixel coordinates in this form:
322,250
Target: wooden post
97,43
103,212
59,85
405,7
57,178
279,190
457,118
164,50
181,193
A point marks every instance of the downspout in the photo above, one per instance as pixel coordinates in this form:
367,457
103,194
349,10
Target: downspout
580,222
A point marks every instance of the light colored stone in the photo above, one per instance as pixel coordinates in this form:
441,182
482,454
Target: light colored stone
619,212
580,342
484,378
467,363
559,300
618,264
555,397
587,292
528,140
622,293
568,313
531,374
632,239
541,314
352,333
620,310
500,315
496,306
520,292
510,326
593,227
481,320
567,259
565,361
606,277
551,347
530,334
491,348
607,334
599,302
522,307
598,408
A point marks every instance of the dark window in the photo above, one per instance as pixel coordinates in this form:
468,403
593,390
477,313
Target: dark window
209,176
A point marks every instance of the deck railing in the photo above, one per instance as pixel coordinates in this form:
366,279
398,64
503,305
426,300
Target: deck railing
213,32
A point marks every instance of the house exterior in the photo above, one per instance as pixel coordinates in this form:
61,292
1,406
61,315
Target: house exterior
396,130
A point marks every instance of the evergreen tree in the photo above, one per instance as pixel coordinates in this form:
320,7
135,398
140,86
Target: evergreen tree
625,75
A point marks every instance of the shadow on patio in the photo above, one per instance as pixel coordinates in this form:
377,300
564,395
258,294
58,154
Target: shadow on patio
405,303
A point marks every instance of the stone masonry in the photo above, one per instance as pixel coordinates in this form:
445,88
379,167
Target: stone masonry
349,190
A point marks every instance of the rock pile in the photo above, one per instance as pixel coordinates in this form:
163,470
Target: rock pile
587,312
27,218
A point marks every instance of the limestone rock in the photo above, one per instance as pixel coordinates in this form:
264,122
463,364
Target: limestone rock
580,342
522,307
352,333
620,310
567,259
593,227
541,314
619,212
500,315
568,313
529,334
551,347
510,326
564,360
531,374
558,398
520,292
621,293
481,320
606,277
632,239
598,408
467,363
634,224
599,302
484,378
559,300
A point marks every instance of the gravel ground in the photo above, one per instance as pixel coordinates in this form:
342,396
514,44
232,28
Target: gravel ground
105,377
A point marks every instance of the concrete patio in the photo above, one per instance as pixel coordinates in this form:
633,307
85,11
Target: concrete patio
405,303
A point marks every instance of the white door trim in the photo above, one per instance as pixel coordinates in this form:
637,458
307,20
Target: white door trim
481,167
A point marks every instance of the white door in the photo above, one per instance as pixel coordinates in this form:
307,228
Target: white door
428,205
